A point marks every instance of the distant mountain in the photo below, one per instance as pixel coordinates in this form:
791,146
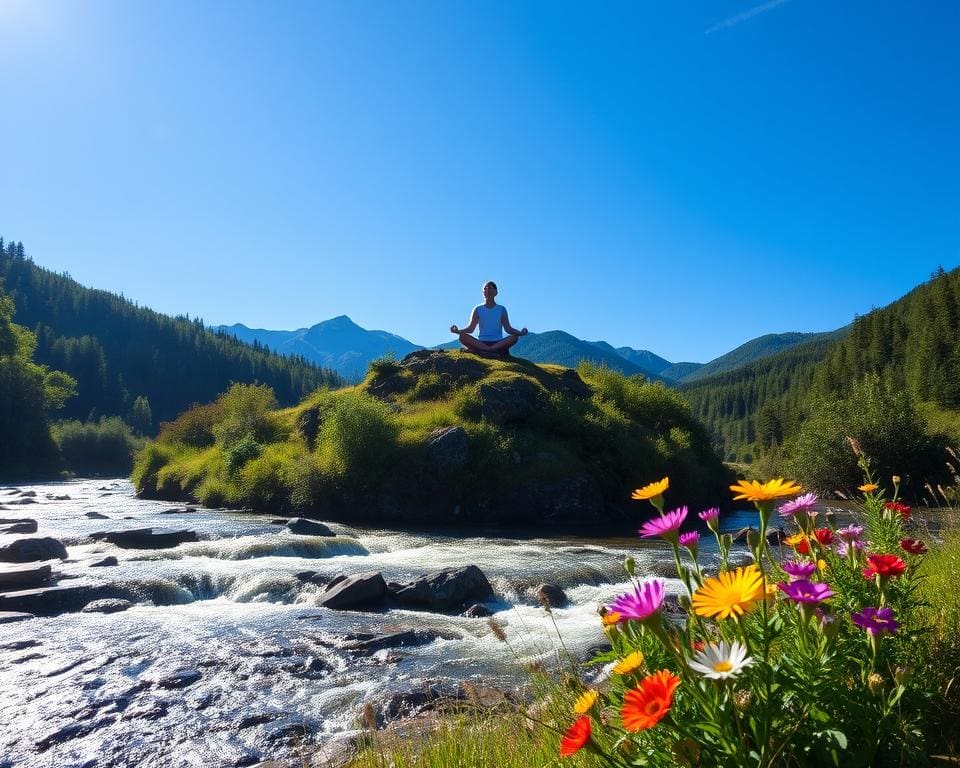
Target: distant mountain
339,344
755,349
679,371
645,360
561,348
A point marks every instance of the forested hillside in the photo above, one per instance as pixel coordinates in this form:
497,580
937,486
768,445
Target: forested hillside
131,361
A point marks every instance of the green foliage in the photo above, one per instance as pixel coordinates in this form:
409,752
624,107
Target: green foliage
141,416
194,427
882,417
244,411
358,431
240,451
105,447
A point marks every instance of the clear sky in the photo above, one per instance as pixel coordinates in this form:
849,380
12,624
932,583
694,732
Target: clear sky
672,176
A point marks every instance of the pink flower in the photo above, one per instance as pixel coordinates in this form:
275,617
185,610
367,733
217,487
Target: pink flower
803,591
797,571
666,526
800,504
710,514
644,601
911,546
690,540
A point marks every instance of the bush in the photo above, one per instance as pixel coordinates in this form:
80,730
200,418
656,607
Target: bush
357,436
103,447
246,410
193,427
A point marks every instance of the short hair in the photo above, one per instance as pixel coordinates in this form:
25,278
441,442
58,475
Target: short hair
491,284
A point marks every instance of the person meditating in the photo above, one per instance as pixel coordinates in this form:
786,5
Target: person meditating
493,321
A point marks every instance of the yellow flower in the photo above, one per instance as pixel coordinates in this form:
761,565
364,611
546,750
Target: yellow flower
651,491
610,618
730,594
629,664
583,704
752,490
792,541
868,487
821,565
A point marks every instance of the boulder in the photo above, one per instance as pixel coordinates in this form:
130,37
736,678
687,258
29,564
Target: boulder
107,605
363,644
449,447
8,617
23,526
508,402
445,589
551,596
477,611
24,576
572,384
95,515
105,562
361,589
303,527
29,550
47,601
146,538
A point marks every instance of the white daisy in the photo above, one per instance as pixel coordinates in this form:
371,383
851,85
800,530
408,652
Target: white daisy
720,661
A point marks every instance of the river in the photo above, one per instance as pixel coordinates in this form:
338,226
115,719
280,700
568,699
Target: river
227,660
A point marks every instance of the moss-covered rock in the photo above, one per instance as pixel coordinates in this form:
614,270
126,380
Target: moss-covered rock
443,437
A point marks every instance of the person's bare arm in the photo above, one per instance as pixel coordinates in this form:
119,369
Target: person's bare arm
510,329
474,319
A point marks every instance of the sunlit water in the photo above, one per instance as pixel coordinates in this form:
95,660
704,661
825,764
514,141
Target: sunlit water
273,673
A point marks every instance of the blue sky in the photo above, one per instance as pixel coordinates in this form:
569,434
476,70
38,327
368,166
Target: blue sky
679,177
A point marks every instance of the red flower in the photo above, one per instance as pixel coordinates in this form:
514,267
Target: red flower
824,536
576,736
913,546
884,566
648,703
896,506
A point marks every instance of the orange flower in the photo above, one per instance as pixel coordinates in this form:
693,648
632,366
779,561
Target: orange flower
799,542
752,490
648,703
576,737
610,618
730,594
652,490
868,487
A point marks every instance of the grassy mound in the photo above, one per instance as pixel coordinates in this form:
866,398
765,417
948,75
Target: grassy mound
439,437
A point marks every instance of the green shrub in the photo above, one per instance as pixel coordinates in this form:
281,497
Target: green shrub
242,451
263,480
193,427
358,435
103,447
247,410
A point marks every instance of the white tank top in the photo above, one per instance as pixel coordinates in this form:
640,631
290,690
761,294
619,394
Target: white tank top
491,322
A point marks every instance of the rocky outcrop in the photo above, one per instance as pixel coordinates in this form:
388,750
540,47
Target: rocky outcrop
19,526
353,591
303,527
14,577
32,549
146,538
508,402
551,596
444,590
449,447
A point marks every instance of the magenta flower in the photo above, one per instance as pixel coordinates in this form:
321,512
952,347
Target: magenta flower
690,540
850,533
803,591
800,504
644,601
844,547
710,514
797,571
666,525
876,620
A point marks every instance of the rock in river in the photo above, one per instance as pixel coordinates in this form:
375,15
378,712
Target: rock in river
29,550
446,589
363,588
146,538
107,605
304,527
19,526
24,576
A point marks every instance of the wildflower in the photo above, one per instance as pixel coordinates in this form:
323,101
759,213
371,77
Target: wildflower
651,491
648,703
720,661
743,700
913,546
896,506
850,533
710,515
884,566
824,536
666,526
755,491
876,620
584,702
799,542
730,594
610,618
846,548
798,570
800,504
629,663
868,487
690,540
576,737
875,683
645,600
803,591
